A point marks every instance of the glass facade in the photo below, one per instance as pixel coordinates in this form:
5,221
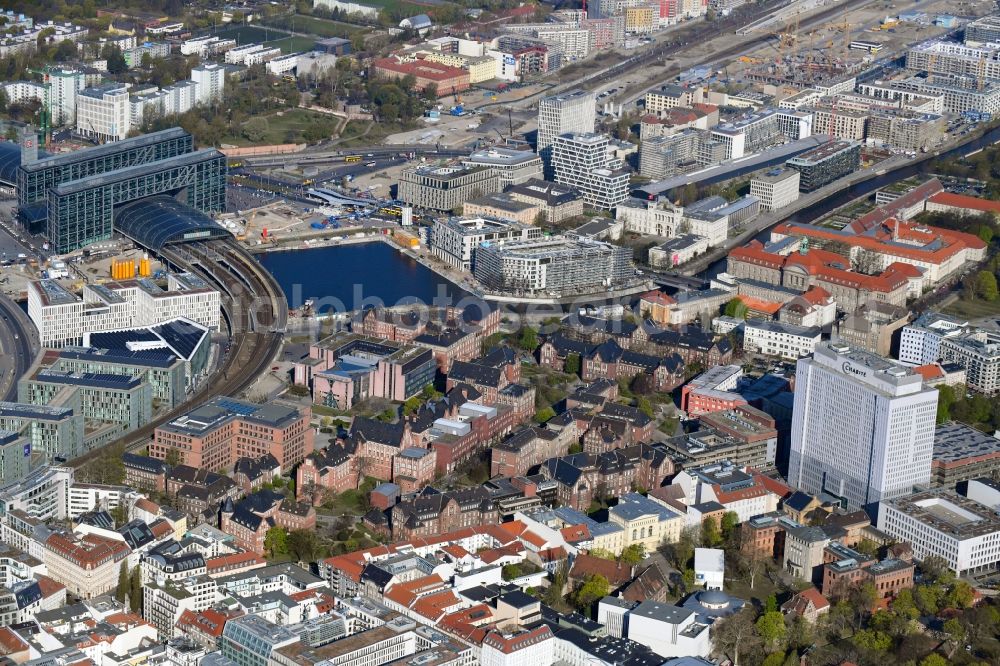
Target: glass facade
82,212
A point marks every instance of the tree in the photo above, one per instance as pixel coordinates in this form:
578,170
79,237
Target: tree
276,542
430,92
124,584
135,590
986,286
595,586
876,641
933,659
730,521
304,545
771,628
681,551
115,58
634,554
529,339
771,604
961,595
65,51
172,458
120,514
736,308
645,406
927,598
774,659
573,364
954,628
935,568
255,129
710,535
544,414
985,234
734,636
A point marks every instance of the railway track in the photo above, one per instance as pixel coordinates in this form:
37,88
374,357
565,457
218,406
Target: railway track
255,313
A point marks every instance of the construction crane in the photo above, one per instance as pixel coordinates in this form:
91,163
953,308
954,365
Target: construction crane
847,37
45,113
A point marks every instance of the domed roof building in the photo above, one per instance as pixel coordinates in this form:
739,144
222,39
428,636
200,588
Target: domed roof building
711,605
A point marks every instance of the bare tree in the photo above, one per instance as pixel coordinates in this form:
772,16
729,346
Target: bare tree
735,635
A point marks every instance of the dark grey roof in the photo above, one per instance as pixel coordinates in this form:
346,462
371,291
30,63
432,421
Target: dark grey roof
157,221
144,463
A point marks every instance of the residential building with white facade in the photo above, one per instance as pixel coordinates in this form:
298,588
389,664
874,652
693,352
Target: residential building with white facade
163,602
862,427
979,353
62,318
920,341
582,162
776,188
455,240
775,338
965,533
521,648
210,82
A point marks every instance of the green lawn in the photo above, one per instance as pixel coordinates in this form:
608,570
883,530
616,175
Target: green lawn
973,309
292,44
279,127
314,25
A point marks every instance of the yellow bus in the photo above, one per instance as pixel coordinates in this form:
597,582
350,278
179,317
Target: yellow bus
395,211
352,158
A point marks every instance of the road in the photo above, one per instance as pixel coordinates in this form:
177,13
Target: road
19,341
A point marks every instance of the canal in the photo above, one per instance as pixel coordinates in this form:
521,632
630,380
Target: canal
864,188
350,277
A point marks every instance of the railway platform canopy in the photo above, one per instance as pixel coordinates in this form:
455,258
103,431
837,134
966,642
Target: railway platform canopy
161,220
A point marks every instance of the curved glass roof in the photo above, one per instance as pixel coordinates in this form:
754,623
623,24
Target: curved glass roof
10,159
156,221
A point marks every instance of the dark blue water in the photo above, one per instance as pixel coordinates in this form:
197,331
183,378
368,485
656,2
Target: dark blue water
349,277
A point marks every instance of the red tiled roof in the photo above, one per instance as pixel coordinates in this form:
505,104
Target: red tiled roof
657,297
532,538
48,586
235,560
759,305
817,295
616,573
433,606
510,643
965,201
575,533
929,372
89,551
10,642
420,68
147,505
160,528
775,486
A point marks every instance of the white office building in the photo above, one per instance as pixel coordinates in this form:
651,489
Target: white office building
962,531
62,318
775,338
663,218
582,161
572,112
862,427
513,166
104,112
669,631
920,341
776,188
20,92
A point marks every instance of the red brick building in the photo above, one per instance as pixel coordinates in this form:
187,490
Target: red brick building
214,435
448,80
250,519
329,471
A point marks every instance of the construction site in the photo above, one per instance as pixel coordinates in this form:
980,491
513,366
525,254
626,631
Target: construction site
824,56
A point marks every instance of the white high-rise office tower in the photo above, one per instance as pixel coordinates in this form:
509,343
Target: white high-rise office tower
862,427
582,161
571,112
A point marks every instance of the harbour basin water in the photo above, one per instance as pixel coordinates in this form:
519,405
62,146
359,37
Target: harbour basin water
350,277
